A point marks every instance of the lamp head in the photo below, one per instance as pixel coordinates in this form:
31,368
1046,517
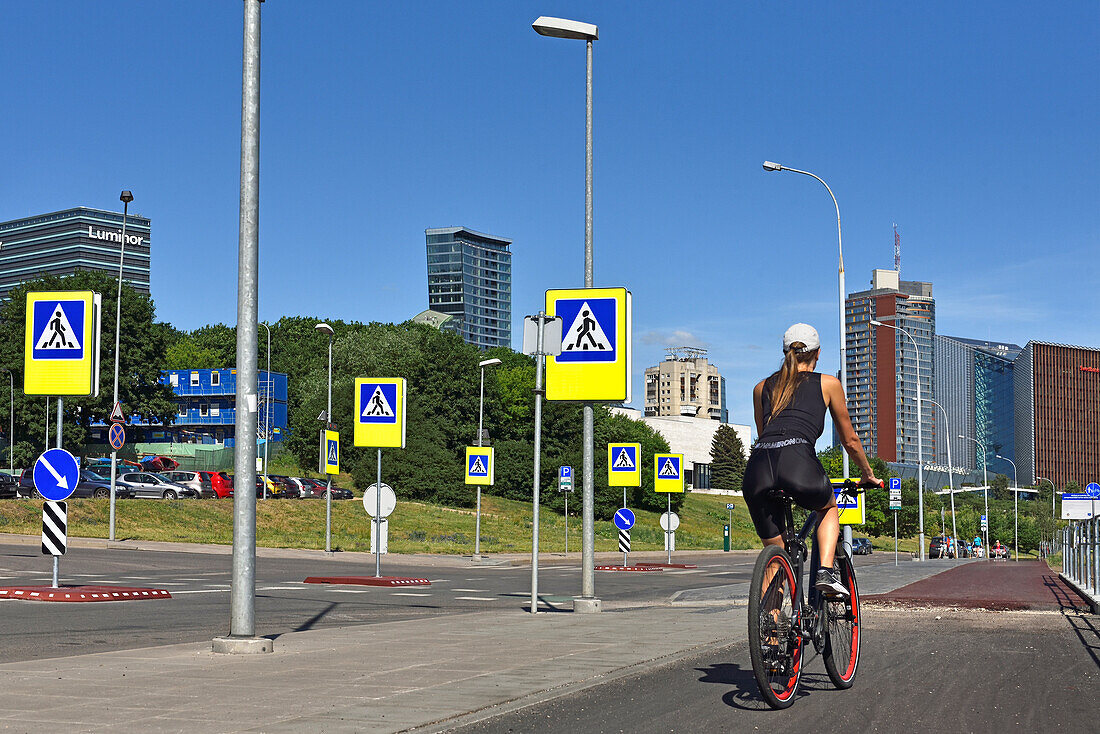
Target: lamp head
562,28
877,323
489,363
769,166
324,328
126,197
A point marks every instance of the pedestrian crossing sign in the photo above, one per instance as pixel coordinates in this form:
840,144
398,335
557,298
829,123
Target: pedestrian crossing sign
61,349
379,412
330,452
479,465
623,467
852,510
668,472
595,359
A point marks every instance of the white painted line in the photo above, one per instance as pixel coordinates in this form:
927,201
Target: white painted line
283,588
475,598
434,581
407,593
471,590
200,591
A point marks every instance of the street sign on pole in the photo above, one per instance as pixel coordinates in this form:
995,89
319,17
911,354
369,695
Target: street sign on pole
56,474
61,343
480,468
595,357
624,466
55,522
117,416
668,472
565,479
330,452
624,519
852,509
117,436
380,412
1092,489
386,503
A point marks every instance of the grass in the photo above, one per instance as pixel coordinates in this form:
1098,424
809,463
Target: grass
415,527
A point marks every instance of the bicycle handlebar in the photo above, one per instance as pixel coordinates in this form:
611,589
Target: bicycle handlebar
852,487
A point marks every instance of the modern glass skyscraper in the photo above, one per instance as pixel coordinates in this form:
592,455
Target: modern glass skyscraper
883,367
63,242
470,279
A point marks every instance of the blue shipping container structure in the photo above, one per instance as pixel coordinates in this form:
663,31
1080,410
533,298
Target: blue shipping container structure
206,409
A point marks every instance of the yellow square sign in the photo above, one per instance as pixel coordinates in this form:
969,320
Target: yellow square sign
379,412
852,510
594,364
668,472
479,465
61,347
330,452
624,465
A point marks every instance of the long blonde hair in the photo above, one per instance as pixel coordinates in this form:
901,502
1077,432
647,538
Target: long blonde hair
780,386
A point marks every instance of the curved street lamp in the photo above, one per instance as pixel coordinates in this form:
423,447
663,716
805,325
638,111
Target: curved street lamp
985,481
1015,504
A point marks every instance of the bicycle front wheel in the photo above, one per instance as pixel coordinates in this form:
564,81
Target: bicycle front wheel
842,620
775,645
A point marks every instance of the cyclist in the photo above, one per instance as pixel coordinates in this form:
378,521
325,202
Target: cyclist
790,416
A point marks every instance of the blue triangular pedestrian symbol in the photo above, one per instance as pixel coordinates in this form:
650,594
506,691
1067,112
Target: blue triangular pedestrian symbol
623,461
477,467
332,452
669,469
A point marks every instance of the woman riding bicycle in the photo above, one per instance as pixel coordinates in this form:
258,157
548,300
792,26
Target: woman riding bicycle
790,417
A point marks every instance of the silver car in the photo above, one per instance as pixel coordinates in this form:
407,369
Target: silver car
149,485
192,479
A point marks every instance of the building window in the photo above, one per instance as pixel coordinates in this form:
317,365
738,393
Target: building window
215,410
174,379
204,409
194,379
215,378
182,411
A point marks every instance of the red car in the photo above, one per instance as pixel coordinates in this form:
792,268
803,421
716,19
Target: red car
220,481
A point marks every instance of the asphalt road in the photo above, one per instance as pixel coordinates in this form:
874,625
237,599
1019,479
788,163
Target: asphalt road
199,584
920,670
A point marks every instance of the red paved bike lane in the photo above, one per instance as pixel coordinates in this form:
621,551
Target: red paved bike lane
997,585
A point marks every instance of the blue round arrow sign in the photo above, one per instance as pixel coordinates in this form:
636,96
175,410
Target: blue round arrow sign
56,474
624,519
1093,489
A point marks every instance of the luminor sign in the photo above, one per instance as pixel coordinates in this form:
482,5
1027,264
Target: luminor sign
113,235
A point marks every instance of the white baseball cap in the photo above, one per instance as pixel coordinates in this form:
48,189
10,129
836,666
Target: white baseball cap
801,333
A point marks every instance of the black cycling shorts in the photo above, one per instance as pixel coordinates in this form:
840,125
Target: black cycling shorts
797,471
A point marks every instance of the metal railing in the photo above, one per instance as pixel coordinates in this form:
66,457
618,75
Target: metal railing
1080,556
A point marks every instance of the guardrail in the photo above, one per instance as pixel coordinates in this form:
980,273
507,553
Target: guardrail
1080,542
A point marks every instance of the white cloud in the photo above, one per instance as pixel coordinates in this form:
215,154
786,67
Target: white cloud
673,338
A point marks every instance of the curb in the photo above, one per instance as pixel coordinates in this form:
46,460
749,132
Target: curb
82,593
1092,601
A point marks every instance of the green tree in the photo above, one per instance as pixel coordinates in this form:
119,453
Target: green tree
142,345
727,459
999,485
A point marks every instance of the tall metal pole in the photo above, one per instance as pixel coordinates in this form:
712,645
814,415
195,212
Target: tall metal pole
1016,505
540,361
328,488
126,197
60,418
588,470
243,591
985,491
267,407
950,466
480,422
378,520
11,428
1053,493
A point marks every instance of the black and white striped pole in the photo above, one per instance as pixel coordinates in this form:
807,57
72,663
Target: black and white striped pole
624,544
54,532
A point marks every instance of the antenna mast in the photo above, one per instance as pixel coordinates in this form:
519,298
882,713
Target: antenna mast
897,248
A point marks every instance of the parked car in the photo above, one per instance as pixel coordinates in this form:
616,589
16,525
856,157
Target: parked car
157,486
281,488
220,482
861,546
9,486
90,485
102,465
998,550
194,480
317,490
159,464
295,484
940,547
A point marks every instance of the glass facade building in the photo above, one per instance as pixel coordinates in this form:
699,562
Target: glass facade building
470,279
61,243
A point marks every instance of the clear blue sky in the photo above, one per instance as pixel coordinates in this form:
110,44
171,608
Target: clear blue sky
971,125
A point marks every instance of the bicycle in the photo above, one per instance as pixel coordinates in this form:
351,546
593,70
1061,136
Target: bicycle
782,616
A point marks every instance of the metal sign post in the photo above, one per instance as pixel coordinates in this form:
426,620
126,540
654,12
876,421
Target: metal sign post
895,505
380,419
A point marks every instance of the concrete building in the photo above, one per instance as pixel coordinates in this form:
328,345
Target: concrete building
974,384
883,367
691,437
685,384
470,279
61,243
1057,398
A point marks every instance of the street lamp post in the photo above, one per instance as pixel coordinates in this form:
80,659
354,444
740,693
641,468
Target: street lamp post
480,423
920,436
1015,505
950,467
1053,493
985,491
587,32
267,405
125,197
326,329
11,416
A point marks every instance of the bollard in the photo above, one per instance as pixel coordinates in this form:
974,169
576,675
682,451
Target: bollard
726,538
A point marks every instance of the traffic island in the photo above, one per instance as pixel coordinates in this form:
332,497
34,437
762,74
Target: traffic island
627,568
368,580
667,565
82,593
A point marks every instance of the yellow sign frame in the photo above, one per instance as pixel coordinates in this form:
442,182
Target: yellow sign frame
390,435
63,376
487,453
667,485
592,381
851,515
624,478
328,467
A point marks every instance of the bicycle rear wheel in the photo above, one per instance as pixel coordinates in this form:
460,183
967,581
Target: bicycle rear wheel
775,646
842,620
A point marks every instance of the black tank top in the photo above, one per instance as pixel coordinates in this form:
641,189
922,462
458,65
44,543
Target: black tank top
804,416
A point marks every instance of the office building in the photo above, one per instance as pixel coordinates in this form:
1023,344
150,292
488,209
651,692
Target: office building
1057,396
64,242
470,279
974,384
883,366
685,384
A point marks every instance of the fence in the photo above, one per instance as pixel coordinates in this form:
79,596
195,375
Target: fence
191,456
1080,545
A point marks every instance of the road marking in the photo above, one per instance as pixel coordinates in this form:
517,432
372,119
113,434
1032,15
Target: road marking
407,593
471,590
438,581
475,598
282,588
199,591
